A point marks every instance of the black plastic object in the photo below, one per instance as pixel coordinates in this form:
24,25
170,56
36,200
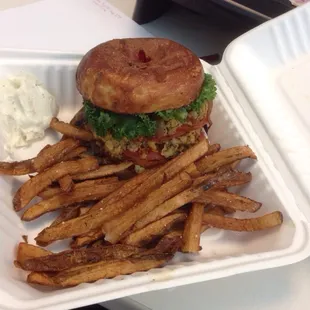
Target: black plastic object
253,11
92,307
148,10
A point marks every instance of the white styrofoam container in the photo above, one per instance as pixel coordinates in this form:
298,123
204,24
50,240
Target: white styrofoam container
262,98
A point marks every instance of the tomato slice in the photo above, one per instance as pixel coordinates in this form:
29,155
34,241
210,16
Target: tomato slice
183,129
152,158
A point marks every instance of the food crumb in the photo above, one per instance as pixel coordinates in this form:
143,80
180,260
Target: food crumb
25,237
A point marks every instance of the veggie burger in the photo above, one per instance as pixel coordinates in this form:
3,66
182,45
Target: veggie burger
145,99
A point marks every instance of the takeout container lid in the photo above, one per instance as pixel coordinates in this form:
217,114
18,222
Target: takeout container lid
268,71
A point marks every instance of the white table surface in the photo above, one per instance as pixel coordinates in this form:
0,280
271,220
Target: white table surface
285,288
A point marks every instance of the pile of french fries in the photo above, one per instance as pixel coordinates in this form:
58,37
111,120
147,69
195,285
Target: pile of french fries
121,222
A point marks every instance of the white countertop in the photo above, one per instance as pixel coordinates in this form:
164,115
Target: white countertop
283,288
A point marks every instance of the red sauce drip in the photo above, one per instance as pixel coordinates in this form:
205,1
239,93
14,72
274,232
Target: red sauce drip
142,56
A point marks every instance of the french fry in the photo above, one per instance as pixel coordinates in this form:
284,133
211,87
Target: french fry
83,210
213,148
100,270
173,167
216,210
226,199
192,171
112,205
253,224
192,229
77,120
54,154
168,206
40,279
66,199
53,191
70,130
115,229
104,210
99,243
72,258
78,117
27,251
93,235
235,164
42,180
67,214
187,196
156,229
75,153
90,237
240,178
169,243
115,200
224,157
17,167
66,184
102,171
178,233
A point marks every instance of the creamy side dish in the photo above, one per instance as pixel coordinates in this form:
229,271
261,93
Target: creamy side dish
26,109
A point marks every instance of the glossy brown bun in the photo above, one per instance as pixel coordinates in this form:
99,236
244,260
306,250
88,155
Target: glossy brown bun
140,75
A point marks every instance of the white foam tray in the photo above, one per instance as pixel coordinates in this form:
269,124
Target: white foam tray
237,120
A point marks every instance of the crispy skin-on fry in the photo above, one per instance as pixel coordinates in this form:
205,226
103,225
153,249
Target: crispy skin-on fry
71,258
182,198
78,117
40,278
42,180
226,199
83,210
93,220
259,223
67,214
87,239
224,157
27,251
216,210
66,184
156,229
184,160
17,167
115,203
102,171
191,234
168,206
75,153
235,164
179,233
116,228
100,270
192,171
71,131
77,120
102,211
54,154
169,243
240,178
66,199
213,148
99,243
112,205
53,191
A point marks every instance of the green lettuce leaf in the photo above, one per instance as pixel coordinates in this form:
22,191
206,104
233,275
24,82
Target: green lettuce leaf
131,126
